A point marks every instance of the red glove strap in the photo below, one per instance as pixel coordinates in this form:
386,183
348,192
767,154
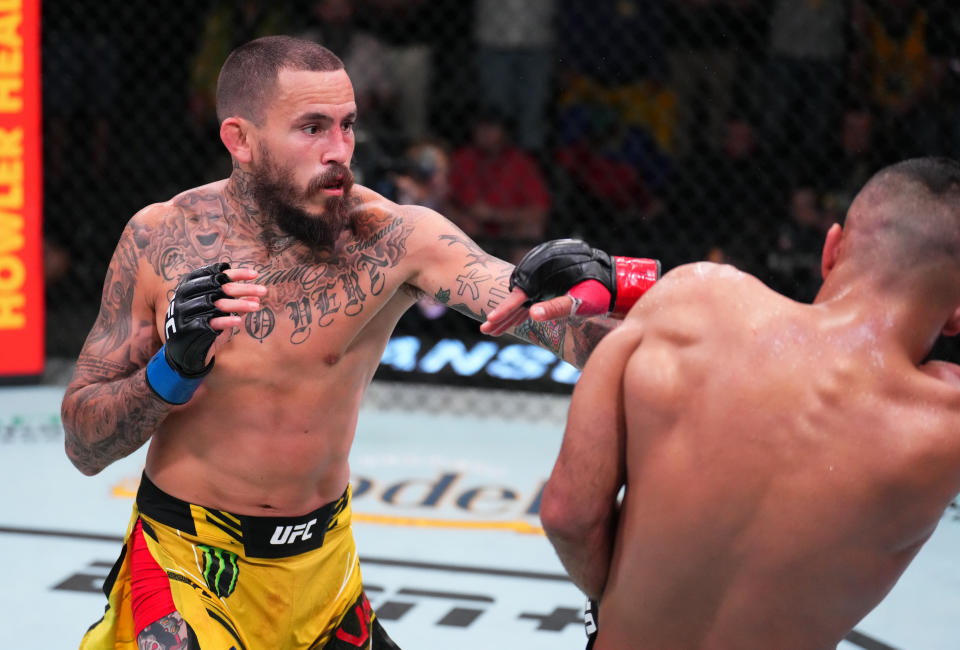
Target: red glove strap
635,276
593,296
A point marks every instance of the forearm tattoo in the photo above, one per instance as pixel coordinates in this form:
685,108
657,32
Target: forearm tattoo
485,282
109,411
110,420
585,336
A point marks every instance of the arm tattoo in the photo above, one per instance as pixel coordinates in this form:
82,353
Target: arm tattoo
168,633
572,341
547,334
476,254
583,336
108,420
586,335
108,411
112,327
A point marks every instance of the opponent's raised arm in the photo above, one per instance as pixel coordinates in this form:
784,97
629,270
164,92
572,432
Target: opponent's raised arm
579,503
116,399
455,271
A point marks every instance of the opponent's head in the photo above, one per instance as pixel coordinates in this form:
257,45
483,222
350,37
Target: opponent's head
287,111
903,230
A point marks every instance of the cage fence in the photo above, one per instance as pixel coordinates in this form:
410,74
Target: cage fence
731,130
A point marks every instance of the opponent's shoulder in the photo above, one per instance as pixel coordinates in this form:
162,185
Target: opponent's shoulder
944,389
701,286
707,277
944,371
926,412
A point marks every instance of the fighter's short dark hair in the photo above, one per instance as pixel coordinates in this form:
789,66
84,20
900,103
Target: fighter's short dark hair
939,176
909,213
249,74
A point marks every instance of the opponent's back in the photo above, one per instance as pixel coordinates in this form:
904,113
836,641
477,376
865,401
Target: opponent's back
784,464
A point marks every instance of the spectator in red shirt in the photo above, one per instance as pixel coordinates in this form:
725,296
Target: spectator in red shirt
498,193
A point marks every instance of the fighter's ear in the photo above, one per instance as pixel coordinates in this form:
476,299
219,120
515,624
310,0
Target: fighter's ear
952,326
831,250
235,134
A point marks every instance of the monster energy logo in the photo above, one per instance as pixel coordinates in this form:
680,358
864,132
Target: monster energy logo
220,570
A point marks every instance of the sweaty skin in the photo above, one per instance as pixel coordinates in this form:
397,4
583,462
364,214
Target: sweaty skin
783,464
270,429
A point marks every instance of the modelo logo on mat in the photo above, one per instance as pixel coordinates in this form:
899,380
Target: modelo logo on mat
450,492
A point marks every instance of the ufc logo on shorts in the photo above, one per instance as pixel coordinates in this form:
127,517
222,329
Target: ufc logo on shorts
589,624
170,327
589,620
289,534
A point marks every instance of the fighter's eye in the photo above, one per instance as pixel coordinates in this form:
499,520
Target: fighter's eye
348,126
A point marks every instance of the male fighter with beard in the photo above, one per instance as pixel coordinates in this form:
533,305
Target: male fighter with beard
240,536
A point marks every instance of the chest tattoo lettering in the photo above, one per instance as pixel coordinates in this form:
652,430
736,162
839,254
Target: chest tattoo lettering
311,288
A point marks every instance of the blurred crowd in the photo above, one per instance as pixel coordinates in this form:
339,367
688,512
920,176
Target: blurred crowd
730,130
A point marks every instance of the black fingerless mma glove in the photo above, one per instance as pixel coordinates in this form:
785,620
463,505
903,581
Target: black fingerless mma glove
567,267
554,267
178,368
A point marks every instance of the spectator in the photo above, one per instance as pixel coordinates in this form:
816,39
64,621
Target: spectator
727,197
603,167
711,43
896,69
498,193
856,161
406,31
616,118
794,260
613,57
365,57
515,61
227,24
421,178
945,47
805,72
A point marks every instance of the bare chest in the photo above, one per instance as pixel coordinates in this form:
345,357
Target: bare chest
304,301
317,310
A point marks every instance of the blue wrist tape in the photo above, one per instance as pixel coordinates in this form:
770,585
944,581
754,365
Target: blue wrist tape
166,382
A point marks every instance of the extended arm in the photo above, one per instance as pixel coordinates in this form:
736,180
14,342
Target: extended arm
457,272
579,505
110,409
565,278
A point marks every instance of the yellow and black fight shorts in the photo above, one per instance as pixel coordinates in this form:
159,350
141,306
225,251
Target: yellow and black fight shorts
246,583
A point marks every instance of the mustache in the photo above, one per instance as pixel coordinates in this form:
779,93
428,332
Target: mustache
335,173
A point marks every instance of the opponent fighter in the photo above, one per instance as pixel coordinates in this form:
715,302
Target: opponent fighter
782,462
240,325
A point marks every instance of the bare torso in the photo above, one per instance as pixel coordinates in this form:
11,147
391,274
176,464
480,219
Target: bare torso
773,498
270,429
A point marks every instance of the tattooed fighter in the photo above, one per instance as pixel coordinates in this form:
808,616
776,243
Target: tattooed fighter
240,325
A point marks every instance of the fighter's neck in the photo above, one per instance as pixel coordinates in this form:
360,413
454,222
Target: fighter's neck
238,192
893,319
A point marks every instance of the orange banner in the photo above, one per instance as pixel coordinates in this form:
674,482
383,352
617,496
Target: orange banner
21,234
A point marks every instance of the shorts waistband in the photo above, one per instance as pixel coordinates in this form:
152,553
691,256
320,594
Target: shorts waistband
261,537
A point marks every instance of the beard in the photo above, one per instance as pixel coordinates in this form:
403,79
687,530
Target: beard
280,202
